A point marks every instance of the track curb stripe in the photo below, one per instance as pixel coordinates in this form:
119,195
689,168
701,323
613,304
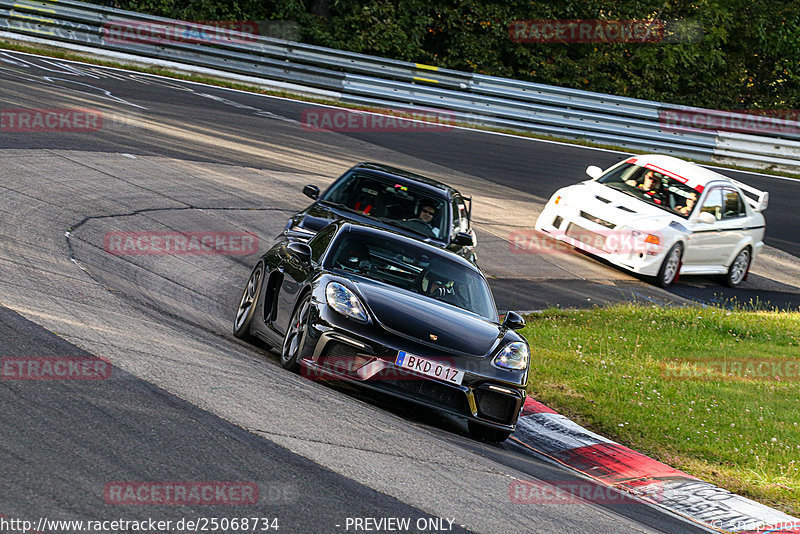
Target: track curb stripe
547,432
615,464
532,406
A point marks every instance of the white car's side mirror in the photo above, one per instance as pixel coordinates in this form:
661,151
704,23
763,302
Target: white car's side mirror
706,218
594,171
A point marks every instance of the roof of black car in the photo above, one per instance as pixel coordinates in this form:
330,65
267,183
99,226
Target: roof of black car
406,177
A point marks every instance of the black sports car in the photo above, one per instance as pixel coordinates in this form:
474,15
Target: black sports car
374,307
389,197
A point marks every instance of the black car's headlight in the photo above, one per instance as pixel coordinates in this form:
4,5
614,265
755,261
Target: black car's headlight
345,302
514,356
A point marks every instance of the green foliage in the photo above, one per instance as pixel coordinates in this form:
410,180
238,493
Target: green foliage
748,55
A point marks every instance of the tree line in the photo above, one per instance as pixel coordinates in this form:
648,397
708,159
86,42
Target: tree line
721,54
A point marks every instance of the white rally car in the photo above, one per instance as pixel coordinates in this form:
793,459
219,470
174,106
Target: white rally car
661,216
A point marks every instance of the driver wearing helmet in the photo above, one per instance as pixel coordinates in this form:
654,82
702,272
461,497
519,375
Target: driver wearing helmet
651,185
439,284
353,257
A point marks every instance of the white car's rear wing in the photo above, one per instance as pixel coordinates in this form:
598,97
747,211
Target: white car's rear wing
759,203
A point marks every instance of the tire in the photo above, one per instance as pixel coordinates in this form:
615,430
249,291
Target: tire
247,304
295,337
739,268
671,266
487,433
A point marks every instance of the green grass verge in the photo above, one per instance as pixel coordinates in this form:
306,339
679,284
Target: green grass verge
613,371
61,53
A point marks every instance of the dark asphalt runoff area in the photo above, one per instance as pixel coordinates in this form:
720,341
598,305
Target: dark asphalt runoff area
64,441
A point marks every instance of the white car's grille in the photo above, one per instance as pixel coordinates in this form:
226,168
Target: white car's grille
597,220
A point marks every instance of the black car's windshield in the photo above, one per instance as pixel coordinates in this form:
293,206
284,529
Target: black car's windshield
413,268
397,204
653,187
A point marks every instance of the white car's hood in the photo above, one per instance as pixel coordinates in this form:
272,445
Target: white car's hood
616,207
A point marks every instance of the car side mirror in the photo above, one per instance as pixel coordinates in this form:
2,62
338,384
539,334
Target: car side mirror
513,320
463,239
706,218
594,171
301,251
311,191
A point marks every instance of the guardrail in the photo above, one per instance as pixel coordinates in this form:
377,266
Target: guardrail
366,80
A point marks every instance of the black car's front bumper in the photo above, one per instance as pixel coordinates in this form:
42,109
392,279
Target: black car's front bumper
340,349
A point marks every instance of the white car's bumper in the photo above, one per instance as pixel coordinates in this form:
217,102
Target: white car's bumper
621,246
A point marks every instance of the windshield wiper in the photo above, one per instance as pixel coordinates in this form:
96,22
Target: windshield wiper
338,205
634,194
623,188
398,224
426,236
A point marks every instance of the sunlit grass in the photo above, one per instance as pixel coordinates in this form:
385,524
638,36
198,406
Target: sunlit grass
608,368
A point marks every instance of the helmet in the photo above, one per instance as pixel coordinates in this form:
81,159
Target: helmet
352,255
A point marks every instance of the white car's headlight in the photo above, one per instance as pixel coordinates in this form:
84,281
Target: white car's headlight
513,356
645,237
559,200
630,240
345,302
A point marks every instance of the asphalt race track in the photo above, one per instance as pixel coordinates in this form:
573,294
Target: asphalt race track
186,401
88,435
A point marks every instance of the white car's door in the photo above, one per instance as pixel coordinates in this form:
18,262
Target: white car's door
734,224
710,245
700,247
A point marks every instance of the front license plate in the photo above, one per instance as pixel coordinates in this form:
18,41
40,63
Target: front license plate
587,237
429,368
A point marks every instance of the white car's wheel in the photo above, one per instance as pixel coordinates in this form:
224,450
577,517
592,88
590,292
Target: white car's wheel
738,269
671,266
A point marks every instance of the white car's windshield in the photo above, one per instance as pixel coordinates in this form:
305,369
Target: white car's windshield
653,187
